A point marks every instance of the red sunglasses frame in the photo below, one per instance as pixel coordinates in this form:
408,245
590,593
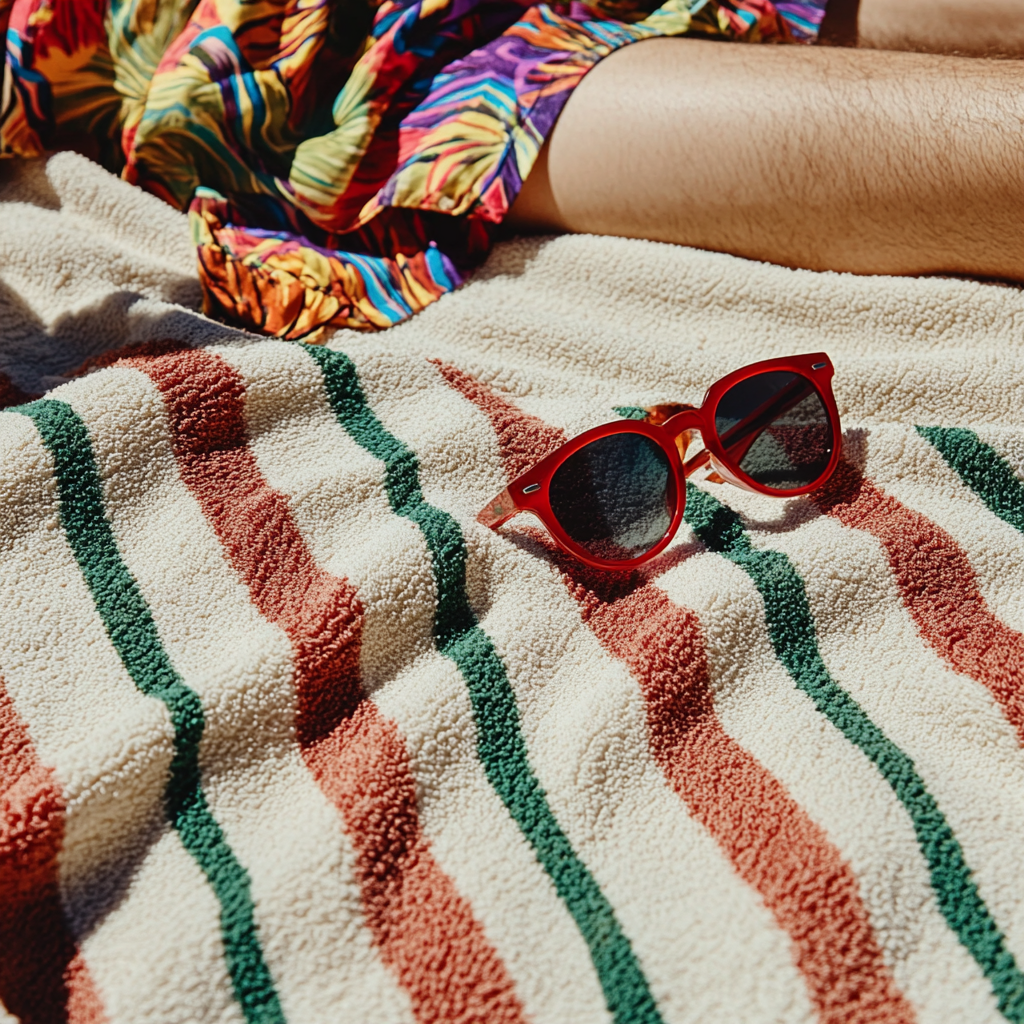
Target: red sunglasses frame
673,429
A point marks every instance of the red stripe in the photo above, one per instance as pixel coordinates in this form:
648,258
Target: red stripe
127,352
772,843
43,977
938,587
425,929
11,394
523,439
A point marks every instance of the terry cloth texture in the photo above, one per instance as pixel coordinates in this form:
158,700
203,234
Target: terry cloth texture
285,735
346,161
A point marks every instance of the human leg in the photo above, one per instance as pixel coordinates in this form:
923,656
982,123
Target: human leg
966,27
816,157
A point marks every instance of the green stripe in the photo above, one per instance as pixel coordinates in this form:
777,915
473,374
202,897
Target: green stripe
500,742
982,470
794,638
133,633
631,412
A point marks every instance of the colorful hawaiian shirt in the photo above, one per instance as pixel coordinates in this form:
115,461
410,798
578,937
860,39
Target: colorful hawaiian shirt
344,162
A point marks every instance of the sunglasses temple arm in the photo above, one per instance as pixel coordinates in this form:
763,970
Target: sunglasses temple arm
702,458
740,436
498,510
750,428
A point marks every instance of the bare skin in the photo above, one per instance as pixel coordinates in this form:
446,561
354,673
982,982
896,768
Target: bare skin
828,158
967,27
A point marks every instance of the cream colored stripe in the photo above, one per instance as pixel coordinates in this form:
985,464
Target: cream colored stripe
687,914
475,841
760,706
111,748
157,954
1008,444
275,818
336,495
952,728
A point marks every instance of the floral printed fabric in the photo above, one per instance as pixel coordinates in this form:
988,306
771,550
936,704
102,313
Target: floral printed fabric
344,163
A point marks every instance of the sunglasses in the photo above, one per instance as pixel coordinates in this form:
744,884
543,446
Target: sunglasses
614,496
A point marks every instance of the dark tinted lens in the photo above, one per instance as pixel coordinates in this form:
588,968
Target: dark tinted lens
615,497
776,429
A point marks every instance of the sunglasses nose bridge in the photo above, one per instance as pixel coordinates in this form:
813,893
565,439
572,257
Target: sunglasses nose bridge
685,419
670,413
684,426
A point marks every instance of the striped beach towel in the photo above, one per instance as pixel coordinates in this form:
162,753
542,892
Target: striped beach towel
285,735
